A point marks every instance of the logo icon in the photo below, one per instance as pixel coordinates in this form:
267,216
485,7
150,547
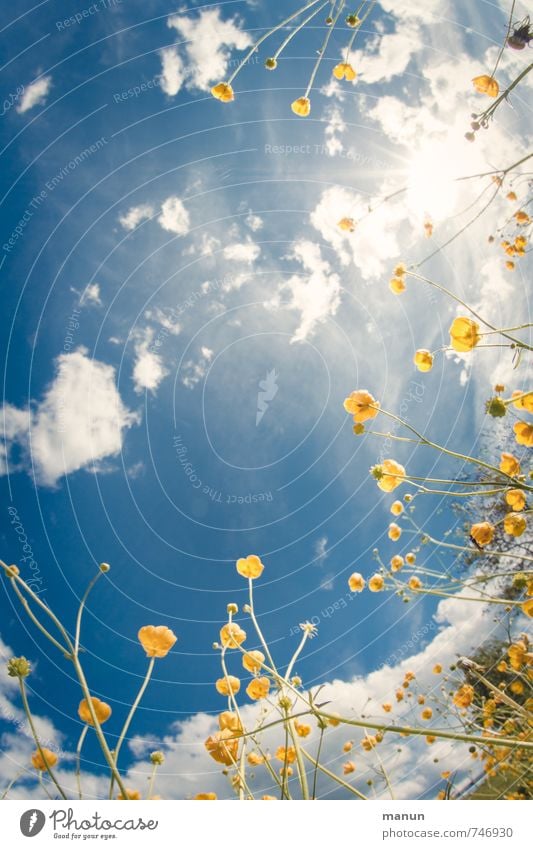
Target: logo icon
268,389
32,822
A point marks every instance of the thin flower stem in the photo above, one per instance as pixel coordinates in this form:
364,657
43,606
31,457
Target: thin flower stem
332,775
11,783
258,629
296,654
152,781
509,27
41,785
269,33
78,759
25,604
318,753
80,612
130,716
27,711
298,29
322,50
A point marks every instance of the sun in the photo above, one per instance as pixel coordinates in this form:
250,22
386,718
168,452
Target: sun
431,186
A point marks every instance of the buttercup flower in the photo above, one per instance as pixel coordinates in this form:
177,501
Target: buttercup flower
423,359
301,729
348,767
396,563
522,217
356,582
509,464
376,584
271,64
464,334
226,685
223,92
482,533
230,721
397,285
523,401
232,635
362,405
18,667
344,71
464,696
389,475
222,748
410,558
415,583
427,713
437,669
101,709
132,795
394,532
514,524
527,607
523,432
12,571
286,755
253,660
486,85
347,224
156,640
301,107
38,761
255,759
250,567
387,707
396,508
258,688
516,499
205,797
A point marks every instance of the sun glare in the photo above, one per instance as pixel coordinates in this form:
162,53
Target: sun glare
432,191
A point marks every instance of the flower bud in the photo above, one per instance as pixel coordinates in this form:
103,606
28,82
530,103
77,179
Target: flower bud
157,758
232,608
104,567
18,667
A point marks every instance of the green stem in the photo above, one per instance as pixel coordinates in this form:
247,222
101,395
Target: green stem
332,775
36,738
78,759
129,718
80,612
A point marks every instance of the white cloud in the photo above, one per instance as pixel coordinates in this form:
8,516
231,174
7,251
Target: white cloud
174,217
79,422
135,215
91,296
210,41
254,222
387,55
321,548
172,71
316,294
194,371
242,252
34,95
13,422
148,370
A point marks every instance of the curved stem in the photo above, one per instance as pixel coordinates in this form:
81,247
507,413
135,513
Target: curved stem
78,759
36,738
80,611
129,718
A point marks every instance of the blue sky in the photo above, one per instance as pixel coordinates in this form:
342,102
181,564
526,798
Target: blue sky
168,254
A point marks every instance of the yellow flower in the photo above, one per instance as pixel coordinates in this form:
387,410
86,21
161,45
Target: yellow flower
250,567
255,759
397,285
132,795
427,713
356,582
516,499
482,533
399,695
522,217
437,669
415,583
348,767
400,270
423,359
524,433
387,707
344,71
286,755
517,653
464,334
410,558
348,746
222,748
514,524
253,660
101,709
362,405
464,696
486,85
509,464
156,640
396,563
517,687
258,688
301,729
269,798
368,743
223,92
396,508
389,475
510,265
523,403
39,762
230,721
527,607
394,532
511,195
347,224
205,797
232,635
301,106
376,584
226,685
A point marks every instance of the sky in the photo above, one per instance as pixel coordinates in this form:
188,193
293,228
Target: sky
182,321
